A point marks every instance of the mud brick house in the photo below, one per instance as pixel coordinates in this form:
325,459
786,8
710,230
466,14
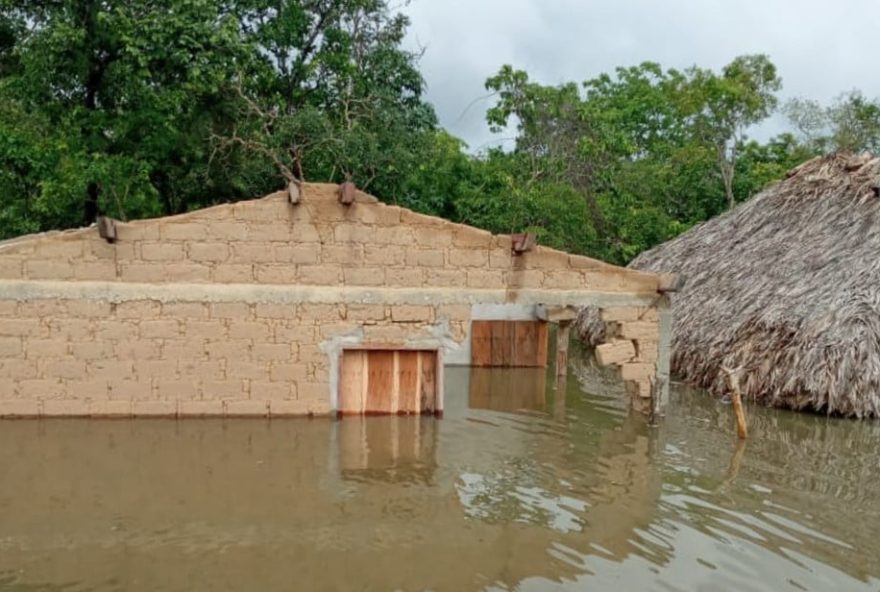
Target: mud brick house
337,303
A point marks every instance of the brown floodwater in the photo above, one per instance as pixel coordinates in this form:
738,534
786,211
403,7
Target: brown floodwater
513,489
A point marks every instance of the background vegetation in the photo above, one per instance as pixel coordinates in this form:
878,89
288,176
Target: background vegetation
134,109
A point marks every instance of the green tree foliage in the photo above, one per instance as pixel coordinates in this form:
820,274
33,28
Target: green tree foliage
851,123
136,109
650,151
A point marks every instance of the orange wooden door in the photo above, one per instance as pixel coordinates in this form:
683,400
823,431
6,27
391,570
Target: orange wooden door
388,382
509,344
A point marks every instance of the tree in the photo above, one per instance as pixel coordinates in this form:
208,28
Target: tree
123,96
334,96
723,107
850,124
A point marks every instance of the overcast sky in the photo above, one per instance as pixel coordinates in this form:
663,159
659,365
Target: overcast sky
820,48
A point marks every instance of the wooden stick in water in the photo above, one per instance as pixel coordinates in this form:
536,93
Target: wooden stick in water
736,397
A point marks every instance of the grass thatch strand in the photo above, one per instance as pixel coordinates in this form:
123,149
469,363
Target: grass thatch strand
785,286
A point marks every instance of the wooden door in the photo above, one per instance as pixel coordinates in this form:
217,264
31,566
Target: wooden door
509,344
388,381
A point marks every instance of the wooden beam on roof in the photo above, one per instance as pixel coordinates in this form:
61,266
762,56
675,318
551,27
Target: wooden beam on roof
107,229
523,242
346,193
294,193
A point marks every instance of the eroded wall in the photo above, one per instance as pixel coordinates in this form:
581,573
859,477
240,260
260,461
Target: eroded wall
243,309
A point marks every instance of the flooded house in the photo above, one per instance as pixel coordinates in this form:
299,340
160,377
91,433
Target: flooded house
783,290
329,303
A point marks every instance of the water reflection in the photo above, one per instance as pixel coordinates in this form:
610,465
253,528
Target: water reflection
518,487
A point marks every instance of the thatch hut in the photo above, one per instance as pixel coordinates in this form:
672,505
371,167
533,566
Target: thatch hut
786,288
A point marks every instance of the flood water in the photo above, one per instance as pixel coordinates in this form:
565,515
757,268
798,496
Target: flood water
514,489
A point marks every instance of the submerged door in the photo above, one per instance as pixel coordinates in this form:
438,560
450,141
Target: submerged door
388,382
509,344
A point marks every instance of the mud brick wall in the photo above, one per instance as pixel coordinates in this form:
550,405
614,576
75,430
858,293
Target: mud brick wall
243,309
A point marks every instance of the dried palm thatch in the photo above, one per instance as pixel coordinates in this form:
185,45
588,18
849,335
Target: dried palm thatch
786,287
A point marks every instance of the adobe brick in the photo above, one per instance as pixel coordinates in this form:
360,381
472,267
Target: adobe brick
162,251
71,329
173,389
268,273
272,390
465,236
41,388
248,408
160,329
204,329
384,255
146,370
137,231
11,268
405,313
132,390
425,257
298,253
207,251
252,253
271,352
287,372
17,369
201,369
403,276
182,231
187,272
8,308
288,408
482,278
239,351
40,349
321,312
467,257
239,369
364,276
135,349
327,275
138,309
257,331
88,308
445,278
637,371
199,408
42,269
10,347
232,388
88,388
185,310
433,236
348,254
69,369
21,328
19,408
110,369
141,272
65,408
365,312
226,231
94,271
109,408
563,280
617,351
226,273
276,311
187,348
154,408
231,310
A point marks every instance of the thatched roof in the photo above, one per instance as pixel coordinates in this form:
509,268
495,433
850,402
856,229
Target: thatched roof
786,287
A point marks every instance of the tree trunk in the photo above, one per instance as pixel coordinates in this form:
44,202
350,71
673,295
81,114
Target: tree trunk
90,206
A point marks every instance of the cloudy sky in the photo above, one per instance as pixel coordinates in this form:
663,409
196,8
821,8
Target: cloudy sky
820,48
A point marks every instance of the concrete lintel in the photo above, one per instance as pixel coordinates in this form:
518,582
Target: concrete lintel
116,292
